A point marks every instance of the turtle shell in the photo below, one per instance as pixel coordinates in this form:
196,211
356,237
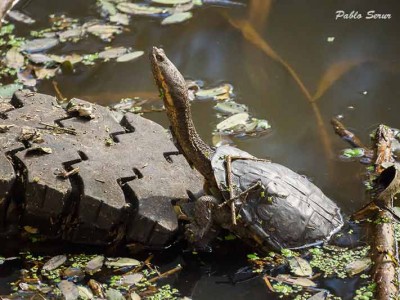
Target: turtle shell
287,210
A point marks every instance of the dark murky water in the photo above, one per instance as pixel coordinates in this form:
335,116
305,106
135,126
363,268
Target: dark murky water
208,47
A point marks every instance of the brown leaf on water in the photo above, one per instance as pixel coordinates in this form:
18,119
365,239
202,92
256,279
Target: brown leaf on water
333,74
254,37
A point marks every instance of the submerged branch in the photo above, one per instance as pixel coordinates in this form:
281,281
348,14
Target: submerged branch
254,37
384,250
347,135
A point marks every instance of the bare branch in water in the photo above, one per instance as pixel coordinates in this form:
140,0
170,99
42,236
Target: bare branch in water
253,36
333,74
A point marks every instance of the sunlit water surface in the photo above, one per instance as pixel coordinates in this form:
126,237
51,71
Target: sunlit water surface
209,48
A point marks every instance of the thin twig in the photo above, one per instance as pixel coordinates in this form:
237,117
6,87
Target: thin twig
58,92
69,173
55,127
230,187
166,274
268,283
244,193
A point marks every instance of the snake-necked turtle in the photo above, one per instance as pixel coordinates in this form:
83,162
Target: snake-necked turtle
264,203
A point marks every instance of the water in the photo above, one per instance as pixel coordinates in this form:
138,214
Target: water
209,48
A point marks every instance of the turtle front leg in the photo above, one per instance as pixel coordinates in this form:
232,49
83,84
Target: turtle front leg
201,230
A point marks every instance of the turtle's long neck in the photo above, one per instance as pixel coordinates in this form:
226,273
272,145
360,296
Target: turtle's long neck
195,150
175,96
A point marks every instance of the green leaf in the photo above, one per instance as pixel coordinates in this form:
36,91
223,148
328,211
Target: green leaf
252,256
355,152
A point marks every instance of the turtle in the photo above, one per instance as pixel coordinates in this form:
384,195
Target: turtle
263,203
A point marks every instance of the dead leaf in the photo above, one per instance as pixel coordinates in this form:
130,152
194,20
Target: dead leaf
300,267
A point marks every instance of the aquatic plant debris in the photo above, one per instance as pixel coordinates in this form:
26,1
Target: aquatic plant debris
27,61
326,261
63,278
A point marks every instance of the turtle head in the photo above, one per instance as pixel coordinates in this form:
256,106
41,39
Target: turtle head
169,80
174,93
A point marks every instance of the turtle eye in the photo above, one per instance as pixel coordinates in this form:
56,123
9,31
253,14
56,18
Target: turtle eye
159,58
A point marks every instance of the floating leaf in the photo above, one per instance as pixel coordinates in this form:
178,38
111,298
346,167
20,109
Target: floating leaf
20,17
72,34
134,296
107,8
85,293
353,152
39,58
113,294
14,59
119,18
54,262
44,73
358,266
171,2
112,53
233,121
7,91
301,281
299,266
177,18
137,9
319,296
131,279
72,58
104,31
219,93
68,289
262,125
39,45
130,56
122,262
95,264
230,107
